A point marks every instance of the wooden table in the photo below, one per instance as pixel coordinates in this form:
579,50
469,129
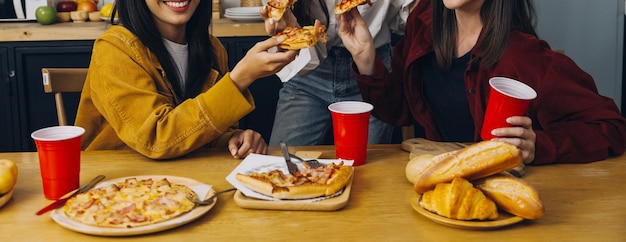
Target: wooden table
584,202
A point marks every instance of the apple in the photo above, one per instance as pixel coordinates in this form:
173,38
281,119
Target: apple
87,6
45,15
8,175
66,6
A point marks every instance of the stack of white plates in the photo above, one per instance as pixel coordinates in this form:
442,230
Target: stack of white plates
248,14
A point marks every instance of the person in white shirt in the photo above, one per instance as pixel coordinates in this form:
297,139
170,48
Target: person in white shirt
322,75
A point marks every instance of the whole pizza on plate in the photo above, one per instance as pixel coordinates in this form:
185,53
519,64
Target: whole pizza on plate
130,203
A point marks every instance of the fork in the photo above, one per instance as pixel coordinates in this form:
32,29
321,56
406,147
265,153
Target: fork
313,163
209,200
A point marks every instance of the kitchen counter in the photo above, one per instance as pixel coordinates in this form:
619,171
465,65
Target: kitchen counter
33,31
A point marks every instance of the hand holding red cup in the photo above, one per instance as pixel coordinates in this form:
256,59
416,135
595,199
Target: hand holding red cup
507,98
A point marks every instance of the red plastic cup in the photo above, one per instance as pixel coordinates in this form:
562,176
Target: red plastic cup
58,148
507,97
350,125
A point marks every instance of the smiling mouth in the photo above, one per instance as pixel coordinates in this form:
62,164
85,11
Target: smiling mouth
177,4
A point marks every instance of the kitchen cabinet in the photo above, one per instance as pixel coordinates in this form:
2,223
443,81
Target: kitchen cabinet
264,90
24,107
6,98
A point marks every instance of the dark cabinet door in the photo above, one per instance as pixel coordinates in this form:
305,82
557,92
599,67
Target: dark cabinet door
7,103
38,108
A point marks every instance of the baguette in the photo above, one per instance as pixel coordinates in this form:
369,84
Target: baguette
473,162
512,194
417,165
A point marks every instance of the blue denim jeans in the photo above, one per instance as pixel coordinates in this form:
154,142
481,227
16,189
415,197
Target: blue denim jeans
302,115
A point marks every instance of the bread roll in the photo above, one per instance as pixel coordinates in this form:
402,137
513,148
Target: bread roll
459,200
512,194
418,164
473,162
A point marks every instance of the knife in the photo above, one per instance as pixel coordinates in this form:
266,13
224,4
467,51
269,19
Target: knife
62,201
292,167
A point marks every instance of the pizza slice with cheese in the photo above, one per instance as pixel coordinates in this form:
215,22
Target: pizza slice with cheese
276,8
308,183
346,5
301,38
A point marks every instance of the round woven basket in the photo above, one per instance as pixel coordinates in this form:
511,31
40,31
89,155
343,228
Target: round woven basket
250,3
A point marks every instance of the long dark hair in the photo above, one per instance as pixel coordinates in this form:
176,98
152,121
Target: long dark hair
135,16
499,18
302,11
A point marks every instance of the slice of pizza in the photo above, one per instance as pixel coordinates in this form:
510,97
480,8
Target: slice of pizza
131,203
301,38
308,183
346,5
276,8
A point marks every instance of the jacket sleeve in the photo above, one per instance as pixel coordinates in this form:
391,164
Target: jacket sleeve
575,124
139,105
385,90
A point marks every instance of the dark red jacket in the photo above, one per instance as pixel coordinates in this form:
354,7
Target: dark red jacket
573,123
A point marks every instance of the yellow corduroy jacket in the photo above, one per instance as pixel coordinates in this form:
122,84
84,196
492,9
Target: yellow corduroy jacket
128,103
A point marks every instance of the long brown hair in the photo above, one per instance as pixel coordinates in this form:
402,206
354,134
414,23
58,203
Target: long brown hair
136,16
499,18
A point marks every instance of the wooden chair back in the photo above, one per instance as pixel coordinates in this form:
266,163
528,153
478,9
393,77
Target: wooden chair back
60,80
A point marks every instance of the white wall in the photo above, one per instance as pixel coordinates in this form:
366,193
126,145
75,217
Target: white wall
592,33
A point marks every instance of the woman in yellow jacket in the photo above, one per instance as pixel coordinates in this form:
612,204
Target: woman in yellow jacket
158,83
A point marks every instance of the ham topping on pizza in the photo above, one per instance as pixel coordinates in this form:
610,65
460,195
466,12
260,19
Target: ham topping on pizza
300,38
276,8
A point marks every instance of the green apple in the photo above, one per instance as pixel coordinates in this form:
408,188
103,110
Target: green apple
46,15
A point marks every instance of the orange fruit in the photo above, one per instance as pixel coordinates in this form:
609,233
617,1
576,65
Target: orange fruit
87,6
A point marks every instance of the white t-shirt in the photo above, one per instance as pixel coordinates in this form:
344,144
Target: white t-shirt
180,55
383,17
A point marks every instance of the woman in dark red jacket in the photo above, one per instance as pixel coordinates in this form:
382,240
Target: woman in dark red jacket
440,76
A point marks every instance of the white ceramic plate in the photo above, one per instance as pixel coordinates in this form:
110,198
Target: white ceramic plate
243,10
59,216
504,219
244,18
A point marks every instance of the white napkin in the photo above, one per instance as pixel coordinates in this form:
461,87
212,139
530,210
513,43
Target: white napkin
305,61
266,163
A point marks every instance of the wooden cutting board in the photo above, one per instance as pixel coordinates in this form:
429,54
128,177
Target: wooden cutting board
419,146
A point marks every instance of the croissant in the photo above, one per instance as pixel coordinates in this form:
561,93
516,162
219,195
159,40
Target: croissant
459,200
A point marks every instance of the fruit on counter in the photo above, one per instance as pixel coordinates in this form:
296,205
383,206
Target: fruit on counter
106,10
8,175
46,15
66,6
93,1
87,6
